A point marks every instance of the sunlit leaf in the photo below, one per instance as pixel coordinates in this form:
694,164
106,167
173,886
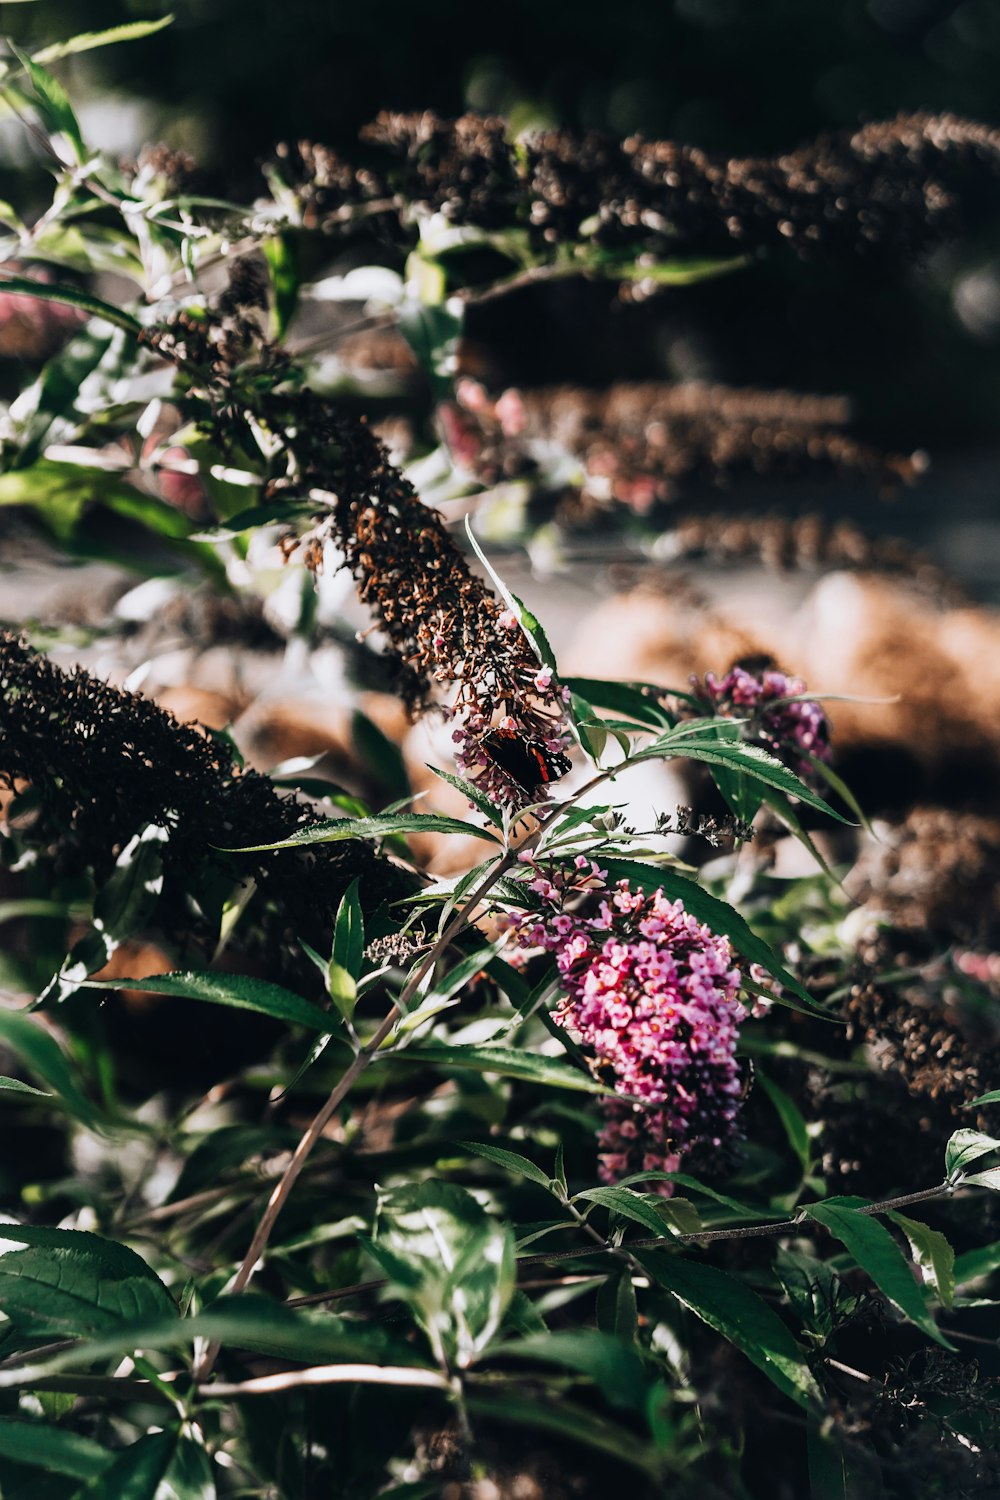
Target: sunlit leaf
333,830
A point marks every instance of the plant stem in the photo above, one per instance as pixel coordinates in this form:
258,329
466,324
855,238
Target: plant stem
704,1237
747,1232
348,1078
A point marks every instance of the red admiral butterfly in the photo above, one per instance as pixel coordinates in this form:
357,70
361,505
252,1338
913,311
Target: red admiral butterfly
526,761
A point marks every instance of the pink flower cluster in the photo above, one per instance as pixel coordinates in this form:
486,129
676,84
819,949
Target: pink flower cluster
652,994
790,731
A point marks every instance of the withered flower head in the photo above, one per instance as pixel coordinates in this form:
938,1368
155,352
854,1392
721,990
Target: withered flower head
457,647
639,443
894,187
103,763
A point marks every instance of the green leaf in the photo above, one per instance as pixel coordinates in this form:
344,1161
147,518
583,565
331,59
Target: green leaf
977,1263
123,906
993,1097
623,697
15,1086
629,1205
827,1470
613,1366
242,991
382,758
533,631
57,1283
813,1289
843,791
51,101
432,331
964,1147
989,1179
248,1321
333,830
616,1309
790,1117
279,251
489,809
719,916
678,272
38,1049
276,512
507,1061
131,31
50,410
692,1183
60,495
444,994
160,1466
453,1264
71,296
877,1253
732,1309
510,1161
749,760
532,628
52,1448
348,956
568,1421
933,1254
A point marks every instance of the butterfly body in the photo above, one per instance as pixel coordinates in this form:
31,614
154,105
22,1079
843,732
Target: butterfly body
526,760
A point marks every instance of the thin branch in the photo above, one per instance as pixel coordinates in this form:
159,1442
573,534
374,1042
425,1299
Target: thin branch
703,1237
351,1074
290,1380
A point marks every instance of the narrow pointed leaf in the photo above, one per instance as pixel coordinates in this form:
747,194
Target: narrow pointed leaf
740,1315
333,830
509,1160
507,1061
241,991
877,1253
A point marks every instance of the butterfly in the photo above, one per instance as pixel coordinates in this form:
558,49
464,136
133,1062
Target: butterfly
525,760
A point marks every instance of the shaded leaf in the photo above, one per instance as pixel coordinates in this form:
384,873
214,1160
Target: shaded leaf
242,991
38,1049
730,1307
509,1160
933,1254
790,1117
616,1309
877,1253
622,1200
566,1420
160,1466
613,1366
52,1448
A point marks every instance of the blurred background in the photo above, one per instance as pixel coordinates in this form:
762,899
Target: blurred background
916,347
